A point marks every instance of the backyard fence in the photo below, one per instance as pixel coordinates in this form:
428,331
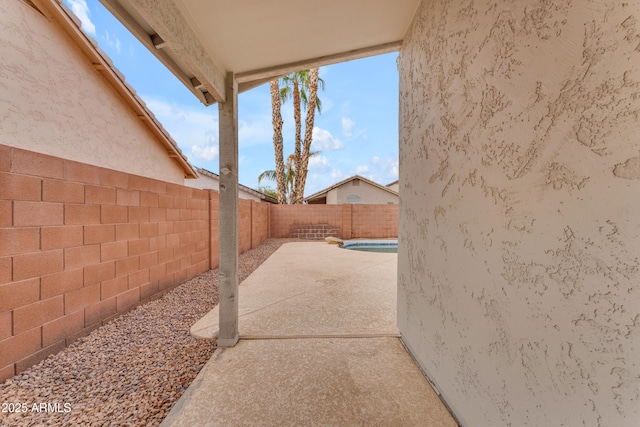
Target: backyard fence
351,221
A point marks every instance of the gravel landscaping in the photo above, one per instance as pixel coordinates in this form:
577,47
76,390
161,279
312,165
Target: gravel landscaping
132,370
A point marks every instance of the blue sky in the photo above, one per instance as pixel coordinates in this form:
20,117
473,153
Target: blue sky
357,132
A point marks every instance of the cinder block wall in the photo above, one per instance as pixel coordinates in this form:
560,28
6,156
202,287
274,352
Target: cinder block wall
374,221
260,223
253,223
214,229
80,245
284,216
354,221
244,225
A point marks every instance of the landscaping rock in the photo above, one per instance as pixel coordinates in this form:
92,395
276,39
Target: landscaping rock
130,371
334,240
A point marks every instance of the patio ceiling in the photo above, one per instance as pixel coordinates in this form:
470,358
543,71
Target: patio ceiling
201,41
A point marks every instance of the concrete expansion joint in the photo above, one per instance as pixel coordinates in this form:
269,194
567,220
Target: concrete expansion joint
326,336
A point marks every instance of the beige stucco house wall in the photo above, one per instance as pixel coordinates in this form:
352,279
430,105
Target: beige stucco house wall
210,181
354,190
519,229
395,186
54,100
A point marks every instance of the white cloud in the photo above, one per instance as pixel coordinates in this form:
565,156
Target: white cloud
318,162
393,168
193,128
347,126
81,10
336,174
258,130
382,170
112,40
207,153
323,140
362,169
327,103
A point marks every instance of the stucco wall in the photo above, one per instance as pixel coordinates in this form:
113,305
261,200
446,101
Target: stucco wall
395,187
332,197
368,194
204,182
53,101
519,226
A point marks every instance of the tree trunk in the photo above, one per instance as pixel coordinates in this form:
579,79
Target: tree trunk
297,115
308,131
276,120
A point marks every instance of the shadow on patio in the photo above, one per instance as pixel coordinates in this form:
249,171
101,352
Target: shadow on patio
318,345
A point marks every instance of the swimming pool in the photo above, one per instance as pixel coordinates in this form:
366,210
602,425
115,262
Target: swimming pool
387,246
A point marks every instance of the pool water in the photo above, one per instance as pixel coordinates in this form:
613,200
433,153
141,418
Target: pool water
385,249
385,246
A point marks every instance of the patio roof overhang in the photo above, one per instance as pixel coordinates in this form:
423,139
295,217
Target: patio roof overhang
218,48
200,41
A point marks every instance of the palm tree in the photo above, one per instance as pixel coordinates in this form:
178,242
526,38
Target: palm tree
276,119
271,175
301,180
269,191
289,178
295,86
291,89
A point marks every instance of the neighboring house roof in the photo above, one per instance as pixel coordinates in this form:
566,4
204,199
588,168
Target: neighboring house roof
249,190
393,183
323,193
57,11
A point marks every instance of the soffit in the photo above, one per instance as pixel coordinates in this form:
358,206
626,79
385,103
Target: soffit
248,35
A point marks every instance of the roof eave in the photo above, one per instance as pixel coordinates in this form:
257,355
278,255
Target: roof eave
101,62
249,190
344,181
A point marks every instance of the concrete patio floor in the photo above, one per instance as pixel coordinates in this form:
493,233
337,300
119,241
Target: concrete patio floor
318,346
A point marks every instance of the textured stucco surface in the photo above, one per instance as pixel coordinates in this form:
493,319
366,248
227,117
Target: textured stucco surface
367,193
519,227
395,186
205,182
53,101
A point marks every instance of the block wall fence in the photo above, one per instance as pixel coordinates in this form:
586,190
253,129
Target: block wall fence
354,221
81,245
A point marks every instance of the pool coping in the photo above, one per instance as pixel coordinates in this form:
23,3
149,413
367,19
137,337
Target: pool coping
369,242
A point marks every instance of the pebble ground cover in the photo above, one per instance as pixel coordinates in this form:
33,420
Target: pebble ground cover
130,371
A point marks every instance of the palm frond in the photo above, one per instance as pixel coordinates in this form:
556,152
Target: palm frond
269,175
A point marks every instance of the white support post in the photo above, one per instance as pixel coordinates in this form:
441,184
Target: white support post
228,141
